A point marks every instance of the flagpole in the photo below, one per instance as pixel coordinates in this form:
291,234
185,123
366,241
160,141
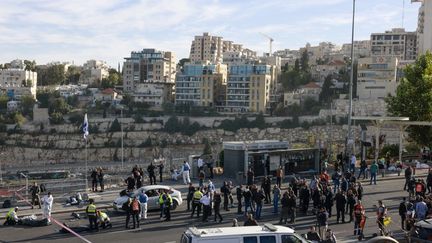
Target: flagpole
86,166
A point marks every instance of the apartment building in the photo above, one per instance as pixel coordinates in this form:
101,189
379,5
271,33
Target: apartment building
395,43
362,49
154,93
148,65
376,77
424,26
249,87
213,49
17,82
93,71
202,84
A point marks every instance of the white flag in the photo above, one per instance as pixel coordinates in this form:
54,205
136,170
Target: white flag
85,127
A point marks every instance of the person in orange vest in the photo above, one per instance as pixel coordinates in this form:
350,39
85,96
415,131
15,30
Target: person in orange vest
419,188
358,214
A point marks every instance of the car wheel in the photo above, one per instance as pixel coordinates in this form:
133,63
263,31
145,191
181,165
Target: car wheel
174,205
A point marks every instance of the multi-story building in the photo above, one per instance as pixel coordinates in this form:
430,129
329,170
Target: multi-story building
424,27
213,49
18,82
148,65
202,85
395,43
154,93
376,77
321,71
93,71
207,48
249,87
362,49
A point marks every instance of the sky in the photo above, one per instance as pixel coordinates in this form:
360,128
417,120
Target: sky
79,30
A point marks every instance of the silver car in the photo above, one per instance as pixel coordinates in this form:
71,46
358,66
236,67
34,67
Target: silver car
153,192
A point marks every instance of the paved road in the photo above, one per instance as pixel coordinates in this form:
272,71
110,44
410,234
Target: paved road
153,230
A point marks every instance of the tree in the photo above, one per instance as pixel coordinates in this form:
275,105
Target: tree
56,118
113,79
207,147
413,98
168,107
44,97
73,75
59,105
27,103
326,94
3,102
54,74
304,61
18,118
30,65
115,126
172,125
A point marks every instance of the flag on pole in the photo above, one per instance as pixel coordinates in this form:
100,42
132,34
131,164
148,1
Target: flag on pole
85,127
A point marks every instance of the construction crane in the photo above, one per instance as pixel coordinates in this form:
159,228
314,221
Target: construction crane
270,42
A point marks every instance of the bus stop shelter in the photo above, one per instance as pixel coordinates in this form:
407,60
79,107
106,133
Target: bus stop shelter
265,157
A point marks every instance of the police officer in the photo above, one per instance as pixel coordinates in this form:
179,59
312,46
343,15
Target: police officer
168,203
91,215
196,204
12,217
104,220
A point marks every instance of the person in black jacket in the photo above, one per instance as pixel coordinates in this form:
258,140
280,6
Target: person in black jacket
130,181
304,199
161,170
258,198
341,201
322,220
191,190
328,200
402,212
408,174
225,190
239,194
351,201
151,170
266,187
292,206
216,206
247,195
93,176
285,209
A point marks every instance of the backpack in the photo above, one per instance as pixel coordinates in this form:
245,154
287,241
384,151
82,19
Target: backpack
135,205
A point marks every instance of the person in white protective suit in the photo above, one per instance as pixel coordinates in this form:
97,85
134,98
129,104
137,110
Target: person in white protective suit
47,206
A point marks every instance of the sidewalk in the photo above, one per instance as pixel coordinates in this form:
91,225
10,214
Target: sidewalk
105,199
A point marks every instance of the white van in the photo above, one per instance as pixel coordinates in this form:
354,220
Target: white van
267,233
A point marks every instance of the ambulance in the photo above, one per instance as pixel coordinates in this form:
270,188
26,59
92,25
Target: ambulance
266,233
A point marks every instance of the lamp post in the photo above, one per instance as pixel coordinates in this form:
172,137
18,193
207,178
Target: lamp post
350,109
1,172
121,126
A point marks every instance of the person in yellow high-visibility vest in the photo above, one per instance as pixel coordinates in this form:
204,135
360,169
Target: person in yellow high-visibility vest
168,203
91,214
161,204
12,217
104,220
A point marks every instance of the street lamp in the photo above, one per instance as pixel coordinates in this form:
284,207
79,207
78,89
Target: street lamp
349,141
1,172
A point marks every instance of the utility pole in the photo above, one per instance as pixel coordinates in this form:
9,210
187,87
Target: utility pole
350,141
121,126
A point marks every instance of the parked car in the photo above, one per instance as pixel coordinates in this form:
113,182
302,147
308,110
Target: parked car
153,192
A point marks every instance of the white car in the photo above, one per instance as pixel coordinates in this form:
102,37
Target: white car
152,192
